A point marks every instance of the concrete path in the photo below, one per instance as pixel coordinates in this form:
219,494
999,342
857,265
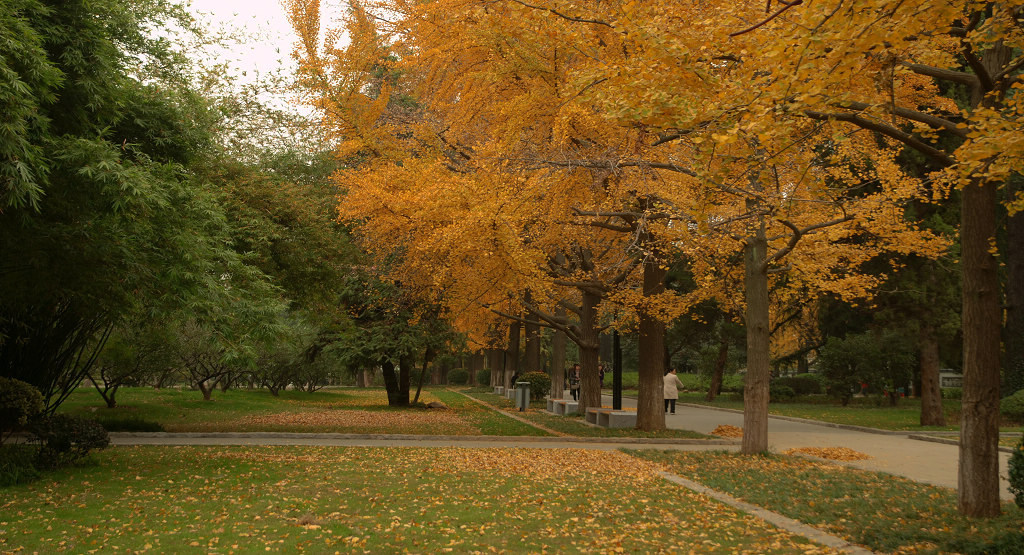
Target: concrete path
891,452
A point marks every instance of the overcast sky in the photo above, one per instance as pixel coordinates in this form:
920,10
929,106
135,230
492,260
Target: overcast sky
264,20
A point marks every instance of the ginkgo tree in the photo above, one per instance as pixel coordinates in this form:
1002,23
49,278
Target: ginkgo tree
461,208
533,127
743,71
876,66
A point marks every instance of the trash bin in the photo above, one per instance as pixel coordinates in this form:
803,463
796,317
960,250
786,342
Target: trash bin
522,395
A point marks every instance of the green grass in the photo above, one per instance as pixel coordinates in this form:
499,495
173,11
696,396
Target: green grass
343,410
883,512
573,425
377,500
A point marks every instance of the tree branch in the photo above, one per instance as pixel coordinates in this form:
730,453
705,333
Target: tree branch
962,77
913,115
563,16
785,6
798,234
887,130
975,63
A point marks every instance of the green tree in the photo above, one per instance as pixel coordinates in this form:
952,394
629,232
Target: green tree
883,360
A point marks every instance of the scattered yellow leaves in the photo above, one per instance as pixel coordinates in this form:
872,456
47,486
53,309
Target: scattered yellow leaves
728,431
830,453
406,421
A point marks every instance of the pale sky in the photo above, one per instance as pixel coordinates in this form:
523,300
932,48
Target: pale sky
262,19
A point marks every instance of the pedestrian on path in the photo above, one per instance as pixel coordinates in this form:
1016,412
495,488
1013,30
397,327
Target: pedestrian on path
671,389
574,382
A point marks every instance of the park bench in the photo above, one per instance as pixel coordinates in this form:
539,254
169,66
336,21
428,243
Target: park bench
611,418
563,406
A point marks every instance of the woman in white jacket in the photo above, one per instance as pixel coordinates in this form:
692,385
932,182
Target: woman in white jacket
672,385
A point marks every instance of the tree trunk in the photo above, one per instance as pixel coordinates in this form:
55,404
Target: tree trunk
427,358
590,348
512,357
979,423
226,381
206,390
1013,328
532,360
755,391
387,369
617,370
111,398
558,359
931,395
404,379
438,370
718,372
650,411
107,392
496,362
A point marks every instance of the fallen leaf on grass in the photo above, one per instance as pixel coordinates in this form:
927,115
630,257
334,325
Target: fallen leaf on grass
830,453
393,421
728,431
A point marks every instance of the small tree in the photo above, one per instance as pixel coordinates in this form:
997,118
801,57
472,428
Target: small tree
135,351
882,360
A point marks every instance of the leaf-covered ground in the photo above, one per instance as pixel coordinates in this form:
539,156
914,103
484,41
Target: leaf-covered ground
882,512
343,410
283,499
573,425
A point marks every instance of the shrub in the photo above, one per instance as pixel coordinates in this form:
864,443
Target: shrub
954,393
733,383
19,402
65,439
459,376
483,377
1012,407
691,382
540,384
777,392
802,384
1009,542
17,464
1017,473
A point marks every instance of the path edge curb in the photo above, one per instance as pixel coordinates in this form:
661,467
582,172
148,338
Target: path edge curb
776,519
414,437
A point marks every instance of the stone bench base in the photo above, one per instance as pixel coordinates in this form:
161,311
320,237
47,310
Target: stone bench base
611,418
563,407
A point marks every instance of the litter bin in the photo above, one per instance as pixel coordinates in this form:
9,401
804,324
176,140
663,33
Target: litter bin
522,395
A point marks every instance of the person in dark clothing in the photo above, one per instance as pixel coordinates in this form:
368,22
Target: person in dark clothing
574,382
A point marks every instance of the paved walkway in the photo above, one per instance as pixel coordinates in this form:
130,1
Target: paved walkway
891,452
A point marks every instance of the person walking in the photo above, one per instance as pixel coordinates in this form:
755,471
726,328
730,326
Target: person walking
671,389
574,382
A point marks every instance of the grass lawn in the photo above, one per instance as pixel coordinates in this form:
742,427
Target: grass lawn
339,410
882,512
376,500
573,425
